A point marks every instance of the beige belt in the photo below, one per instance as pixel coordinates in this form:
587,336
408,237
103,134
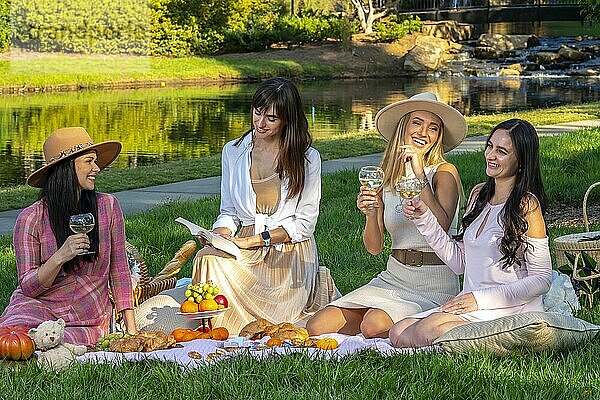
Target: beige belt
416,258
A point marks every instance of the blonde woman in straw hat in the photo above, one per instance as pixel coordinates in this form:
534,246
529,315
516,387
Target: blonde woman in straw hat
419,131
62,274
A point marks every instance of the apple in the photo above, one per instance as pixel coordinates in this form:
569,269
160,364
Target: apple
221,300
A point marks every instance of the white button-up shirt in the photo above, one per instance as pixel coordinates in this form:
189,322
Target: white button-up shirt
298,215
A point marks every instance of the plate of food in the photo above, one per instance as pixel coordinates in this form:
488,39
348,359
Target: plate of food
204,314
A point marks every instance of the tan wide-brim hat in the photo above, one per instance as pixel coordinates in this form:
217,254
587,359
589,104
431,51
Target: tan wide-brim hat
66,142
455,124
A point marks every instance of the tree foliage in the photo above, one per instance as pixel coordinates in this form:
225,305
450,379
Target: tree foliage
367,13
591,10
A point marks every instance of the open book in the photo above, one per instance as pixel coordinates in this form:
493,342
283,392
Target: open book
215,241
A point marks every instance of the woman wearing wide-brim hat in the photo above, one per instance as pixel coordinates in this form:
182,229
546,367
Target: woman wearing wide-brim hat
56,278
419,131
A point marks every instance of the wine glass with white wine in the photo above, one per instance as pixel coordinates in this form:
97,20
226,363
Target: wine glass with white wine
82,223
372,177
408,189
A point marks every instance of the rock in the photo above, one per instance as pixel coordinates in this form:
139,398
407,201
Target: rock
486,52
583,72
509,72
532,67
543,57
533,41
434,41
504,42
516,67
579,38
427,55
450,30
568,54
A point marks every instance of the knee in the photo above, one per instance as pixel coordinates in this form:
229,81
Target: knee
376,324
321,322
405,332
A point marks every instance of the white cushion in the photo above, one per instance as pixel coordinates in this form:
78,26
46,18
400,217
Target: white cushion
536,331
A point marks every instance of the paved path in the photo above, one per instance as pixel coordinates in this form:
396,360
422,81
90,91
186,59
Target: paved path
137,200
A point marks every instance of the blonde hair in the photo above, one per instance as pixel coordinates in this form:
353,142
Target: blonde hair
393,167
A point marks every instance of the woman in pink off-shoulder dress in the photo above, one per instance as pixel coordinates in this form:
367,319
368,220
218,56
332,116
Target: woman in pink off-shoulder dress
502,248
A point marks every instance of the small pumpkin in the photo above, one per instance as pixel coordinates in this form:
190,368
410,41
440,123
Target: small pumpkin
15,343
327,344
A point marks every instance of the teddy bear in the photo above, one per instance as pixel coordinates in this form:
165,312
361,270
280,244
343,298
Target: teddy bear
55,355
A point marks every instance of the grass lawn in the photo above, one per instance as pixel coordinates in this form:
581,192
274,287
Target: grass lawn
53,70
524,375
350,144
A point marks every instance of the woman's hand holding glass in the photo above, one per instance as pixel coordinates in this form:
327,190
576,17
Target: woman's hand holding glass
75,245
371,179
81,224
414,208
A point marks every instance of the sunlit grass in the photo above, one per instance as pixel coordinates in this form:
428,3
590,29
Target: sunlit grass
368,375
53,69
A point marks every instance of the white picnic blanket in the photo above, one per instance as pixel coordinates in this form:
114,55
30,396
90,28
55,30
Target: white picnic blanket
207,349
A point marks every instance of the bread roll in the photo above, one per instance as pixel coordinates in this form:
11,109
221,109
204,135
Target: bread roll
180,257
255,329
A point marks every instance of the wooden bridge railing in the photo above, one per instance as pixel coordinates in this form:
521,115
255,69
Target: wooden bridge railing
416,5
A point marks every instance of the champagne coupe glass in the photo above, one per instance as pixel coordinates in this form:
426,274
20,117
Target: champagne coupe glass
82,223
372,177
408,189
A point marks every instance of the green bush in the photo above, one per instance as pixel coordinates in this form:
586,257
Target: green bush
4,24
396,27
110,26
289,29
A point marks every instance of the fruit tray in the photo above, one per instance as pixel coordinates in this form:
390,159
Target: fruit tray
203,314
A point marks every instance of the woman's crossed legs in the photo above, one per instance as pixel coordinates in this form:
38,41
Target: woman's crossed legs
412,332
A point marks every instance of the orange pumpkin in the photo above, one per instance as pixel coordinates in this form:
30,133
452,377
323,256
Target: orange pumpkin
327,344
15,343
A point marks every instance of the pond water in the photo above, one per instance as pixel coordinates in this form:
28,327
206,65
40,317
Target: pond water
159,125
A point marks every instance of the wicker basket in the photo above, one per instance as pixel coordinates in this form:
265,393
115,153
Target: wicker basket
145,288
588,242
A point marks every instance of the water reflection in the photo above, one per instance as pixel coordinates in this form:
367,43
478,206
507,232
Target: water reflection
158,125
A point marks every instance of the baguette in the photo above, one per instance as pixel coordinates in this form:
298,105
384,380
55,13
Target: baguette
173,266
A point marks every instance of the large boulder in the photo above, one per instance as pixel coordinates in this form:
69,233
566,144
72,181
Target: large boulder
568,54
495,46
428,54
450,30
543,57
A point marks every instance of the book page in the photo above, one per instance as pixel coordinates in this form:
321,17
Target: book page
214,240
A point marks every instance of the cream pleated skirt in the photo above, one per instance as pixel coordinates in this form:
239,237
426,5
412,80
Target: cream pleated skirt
402,290
278,283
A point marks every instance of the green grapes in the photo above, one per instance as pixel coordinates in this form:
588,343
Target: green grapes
104,341
203,291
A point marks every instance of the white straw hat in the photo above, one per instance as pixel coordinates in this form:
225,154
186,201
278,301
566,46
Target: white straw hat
455,124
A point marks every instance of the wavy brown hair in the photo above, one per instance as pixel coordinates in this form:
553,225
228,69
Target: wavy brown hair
528,181
295,139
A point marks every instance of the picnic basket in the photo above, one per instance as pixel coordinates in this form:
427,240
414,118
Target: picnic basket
578,243
149,286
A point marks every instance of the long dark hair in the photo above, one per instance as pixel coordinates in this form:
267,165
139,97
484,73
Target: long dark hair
528,181
282,94
64,197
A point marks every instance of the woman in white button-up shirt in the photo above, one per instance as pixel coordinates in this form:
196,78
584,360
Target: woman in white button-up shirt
270,193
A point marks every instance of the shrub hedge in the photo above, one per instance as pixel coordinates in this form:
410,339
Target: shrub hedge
160,27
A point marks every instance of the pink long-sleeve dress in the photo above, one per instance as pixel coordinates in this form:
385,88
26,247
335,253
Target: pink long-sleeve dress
79,297
498,292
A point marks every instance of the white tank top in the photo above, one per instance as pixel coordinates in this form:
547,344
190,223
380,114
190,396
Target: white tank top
403,231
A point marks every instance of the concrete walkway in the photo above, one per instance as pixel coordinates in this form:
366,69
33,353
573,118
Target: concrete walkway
137,200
